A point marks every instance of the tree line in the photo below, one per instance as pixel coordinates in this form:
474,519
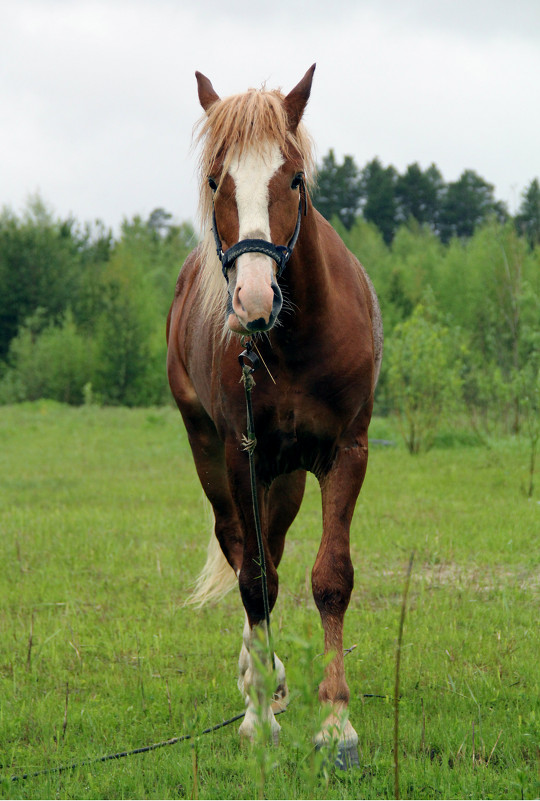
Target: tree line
82,312
388,199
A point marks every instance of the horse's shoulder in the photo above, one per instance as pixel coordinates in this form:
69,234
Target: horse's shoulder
374,313
349,267
183,294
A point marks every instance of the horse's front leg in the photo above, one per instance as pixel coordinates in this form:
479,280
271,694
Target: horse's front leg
261,673
261,682
332,583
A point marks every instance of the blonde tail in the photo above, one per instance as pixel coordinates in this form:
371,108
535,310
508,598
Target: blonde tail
216,579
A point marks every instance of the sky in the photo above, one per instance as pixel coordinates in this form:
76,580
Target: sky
98,98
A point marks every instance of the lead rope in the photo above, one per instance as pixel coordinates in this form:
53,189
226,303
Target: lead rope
249,443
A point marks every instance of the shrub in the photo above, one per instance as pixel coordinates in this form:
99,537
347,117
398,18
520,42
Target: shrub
54,363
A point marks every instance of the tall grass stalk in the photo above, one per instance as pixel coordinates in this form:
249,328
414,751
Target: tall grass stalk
398,667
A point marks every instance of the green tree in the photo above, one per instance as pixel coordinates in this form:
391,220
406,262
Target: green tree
528,216
419,195
468,202
489,285
365,240
158,247
95,247
159,221
379,203
337,191
39,268
416,254
424,380
128,348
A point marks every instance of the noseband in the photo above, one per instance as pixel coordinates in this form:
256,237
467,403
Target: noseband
279,253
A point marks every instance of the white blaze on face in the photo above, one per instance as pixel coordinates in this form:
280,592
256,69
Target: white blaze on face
252,294
252,173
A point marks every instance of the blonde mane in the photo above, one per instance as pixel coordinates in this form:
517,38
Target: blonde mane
226,130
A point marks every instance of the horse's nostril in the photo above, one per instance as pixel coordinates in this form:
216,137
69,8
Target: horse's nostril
237,300
258,325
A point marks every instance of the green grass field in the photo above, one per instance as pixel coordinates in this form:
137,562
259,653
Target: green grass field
103,529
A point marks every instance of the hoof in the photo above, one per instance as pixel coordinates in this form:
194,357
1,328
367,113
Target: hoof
250,728
347,757
249,739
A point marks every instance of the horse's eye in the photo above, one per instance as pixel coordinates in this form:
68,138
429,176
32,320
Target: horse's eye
212,184
297,180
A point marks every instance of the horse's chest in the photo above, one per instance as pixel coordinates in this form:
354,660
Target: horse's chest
301,430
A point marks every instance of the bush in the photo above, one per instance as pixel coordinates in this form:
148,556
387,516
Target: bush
54,363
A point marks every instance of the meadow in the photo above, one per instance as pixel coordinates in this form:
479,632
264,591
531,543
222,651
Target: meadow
103,530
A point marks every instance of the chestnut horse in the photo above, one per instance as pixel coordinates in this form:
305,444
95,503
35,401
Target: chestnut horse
264,242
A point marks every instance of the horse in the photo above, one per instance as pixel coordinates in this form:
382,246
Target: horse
270,270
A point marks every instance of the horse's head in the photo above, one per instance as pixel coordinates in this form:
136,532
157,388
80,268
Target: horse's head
253,165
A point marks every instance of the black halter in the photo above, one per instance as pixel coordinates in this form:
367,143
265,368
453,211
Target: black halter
280,253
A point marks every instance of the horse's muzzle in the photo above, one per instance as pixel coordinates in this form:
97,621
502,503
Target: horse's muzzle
265,325
253,306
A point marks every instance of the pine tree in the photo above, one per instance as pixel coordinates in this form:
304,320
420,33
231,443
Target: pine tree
528,216
337,192
379,197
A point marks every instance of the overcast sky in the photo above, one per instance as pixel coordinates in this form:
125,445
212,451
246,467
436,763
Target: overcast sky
98,97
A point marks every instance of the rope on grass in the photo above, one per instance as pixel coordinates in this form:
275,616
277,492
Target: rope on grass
121,754
145,749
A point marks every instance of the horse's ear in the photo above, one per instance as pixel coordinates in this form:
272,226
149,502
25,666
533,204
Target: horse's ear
207,94
296,100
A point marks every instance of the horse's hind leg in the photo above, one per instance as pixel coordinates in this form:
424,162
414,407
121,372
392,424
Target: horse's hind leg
332,582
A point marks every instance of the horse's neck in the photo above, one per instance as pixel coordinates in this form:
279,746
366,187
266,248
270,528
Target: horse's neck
308,278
